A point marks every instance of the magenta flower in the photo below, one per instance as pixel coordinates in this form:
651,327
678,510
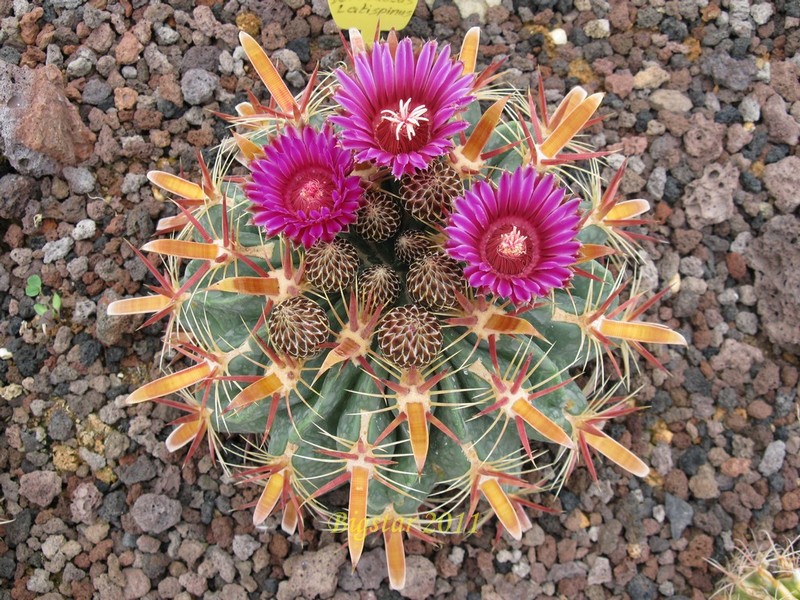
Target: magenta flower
398,110
518,239
302,187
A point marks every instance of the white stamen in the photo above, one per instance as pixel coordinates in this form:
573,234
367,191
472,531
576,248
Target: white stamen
512,243
404,118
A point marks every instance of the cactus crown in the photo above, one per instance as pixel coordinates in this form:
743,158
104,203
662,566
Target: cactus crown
414,289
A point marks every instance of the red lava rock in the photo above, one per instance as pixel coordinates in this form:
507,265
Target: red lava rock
785,521
632,146
620,83
279,546
621,15
730,502
701,339
160,139
737,266
704,139
575,520
791,500
40,487
546,553
444,566
768,378
20,590
14,236
38,117
748,496
128,49
415,546
485,562
193,583
125,98
101,39
146,119
567,550
663,211
28,27
603,66
695,555
201,137
82,590
687,240
736,422
168,88
101,551
781,182
737,138
758,409
571,586
676,123
625,571
735,467
447,16
134,140
785,79
781,126
677,484
32,57
126,559
272,37
138,584
82,561
701,581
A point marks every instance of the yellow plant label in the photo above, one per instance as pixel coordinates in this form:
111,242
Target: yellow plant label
365,15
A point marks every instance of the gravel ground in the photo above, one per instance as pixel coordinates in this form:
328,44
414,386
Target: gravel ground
702,96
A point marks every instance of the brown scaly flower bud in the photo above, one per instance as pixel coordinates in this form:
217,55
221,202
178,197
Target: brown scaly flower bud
331,267
379,218
298,326
433,281
378,285
411,245
428,195
410,336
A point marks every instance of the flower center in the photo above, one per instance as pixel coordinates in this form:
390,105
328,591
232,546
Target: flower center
511,247
310,190
512,244
405,120
404,129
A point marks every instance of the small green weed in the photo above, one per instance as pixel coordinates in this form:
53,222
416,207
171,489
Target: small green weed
33,289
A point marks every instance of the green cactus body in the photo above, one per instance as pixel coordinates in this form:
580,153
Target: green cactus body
770,571
435,400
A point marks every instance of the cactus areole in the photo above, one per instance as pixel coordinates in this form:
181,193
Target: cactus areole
400,281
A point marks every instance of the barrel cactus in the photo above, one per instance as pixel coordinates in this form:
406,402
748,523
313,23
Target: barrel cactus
768,570
408,279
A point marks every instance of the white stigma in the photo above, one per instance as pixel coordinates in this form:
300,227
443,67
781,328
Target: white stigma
405,120
512,243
